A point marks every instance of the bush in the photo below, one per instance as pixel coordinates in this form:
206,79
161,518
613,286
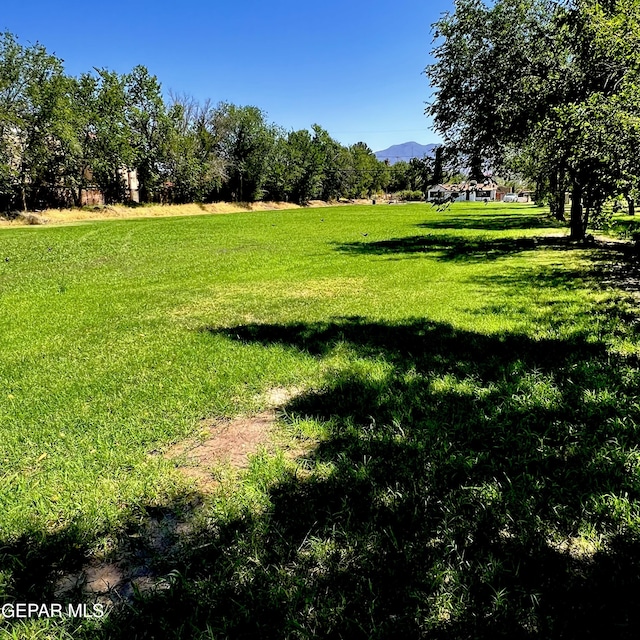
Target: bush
410,196
601,217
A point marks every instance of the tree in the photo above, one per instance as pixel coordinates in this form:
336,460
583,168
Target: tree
335,164
149,124
533,75
366,173
438,166
244,141
399,178
305,166
193,168
78,159
32,121
421,174
110,139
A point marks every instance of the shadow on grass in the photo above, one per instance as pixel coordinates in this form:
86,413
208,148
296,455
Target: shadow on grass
55,567
453,247
612,263
468,486
477,249
494,219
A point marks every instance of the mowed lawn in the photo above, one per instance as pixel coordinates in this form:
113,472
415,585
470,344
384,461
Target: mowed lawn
465,407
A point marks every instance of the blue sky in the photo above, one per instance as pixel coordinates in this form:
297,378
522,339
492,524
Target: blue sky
355,68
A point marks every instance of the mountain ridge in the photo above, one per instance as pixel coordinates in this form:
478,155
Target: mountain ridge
406,151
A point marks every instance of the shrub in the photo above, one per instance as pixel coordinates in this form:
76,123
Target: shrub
410,196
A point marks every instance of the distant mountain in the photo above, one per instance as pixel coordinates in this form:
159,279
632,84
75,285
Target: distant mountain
406,151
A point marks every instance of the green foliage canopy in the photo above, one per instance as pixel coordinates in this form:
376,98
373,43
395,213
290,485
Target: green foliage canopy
61,135
554,81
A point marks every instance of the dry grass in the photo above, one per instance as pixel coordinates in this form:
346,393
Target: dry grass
119,211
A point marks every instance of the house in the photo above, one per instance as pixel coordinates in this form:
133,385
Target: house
471,191
439,193
92,195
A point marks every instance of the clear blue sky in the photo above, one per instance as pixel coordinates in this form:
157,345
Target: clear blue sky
354,67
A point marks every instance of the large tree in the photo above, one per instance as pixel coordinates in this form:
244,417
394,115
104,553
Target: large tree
194,170
534,76
366,173
335,164
110,139
244,141
305,166
33,108
149,124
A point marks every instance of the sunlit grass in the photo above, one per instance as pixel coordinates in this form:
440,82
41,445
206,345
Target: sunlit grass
455,369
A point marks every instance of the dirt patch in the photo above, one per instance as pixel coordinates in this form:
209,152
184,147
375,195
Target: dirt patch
138,561
225,442
137,565
229,442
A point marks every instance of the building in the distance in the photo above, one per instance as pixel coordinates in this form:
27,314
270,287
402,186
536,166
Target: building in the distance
470,191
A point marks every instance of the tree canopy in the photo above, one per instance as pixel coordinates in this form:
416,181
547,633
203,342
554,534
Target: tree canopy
61,135
552,85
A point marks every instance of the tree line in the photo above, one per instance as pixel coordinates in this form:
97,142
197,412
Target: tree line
546,88
60,135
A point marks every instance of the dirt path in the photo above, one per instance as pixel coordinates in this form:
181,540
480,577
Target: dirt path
132,566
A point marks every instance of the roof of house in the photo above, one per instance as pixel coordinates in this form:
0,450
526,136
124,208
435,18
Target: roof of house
487,185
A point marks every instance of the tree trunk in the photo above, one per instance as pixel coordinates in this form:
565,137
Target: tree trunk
631,203
553,188
557,195
560,206
585,219
557,204
541,190
576,223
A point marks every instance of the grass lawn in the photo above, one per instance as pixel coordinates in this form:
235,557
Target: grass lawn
465,415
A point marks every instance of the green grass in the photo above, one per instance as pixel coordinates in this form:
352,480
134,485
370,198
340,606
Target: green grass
470,412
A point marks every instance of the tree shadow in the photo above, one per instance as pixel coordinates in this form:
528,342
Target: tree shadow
71,568
495,219
468,485
453,248
474,249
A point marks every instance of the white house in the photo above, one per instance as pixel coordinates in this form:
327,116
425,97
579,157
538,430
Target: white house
467,192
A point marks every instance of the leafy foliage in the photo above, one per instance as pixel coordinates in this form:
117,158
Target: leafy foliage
60,135
553,82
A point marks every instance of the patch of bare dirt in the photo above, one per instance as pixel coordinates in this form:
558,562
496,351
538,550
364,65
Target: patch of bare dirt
226,442
229,442
139,563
